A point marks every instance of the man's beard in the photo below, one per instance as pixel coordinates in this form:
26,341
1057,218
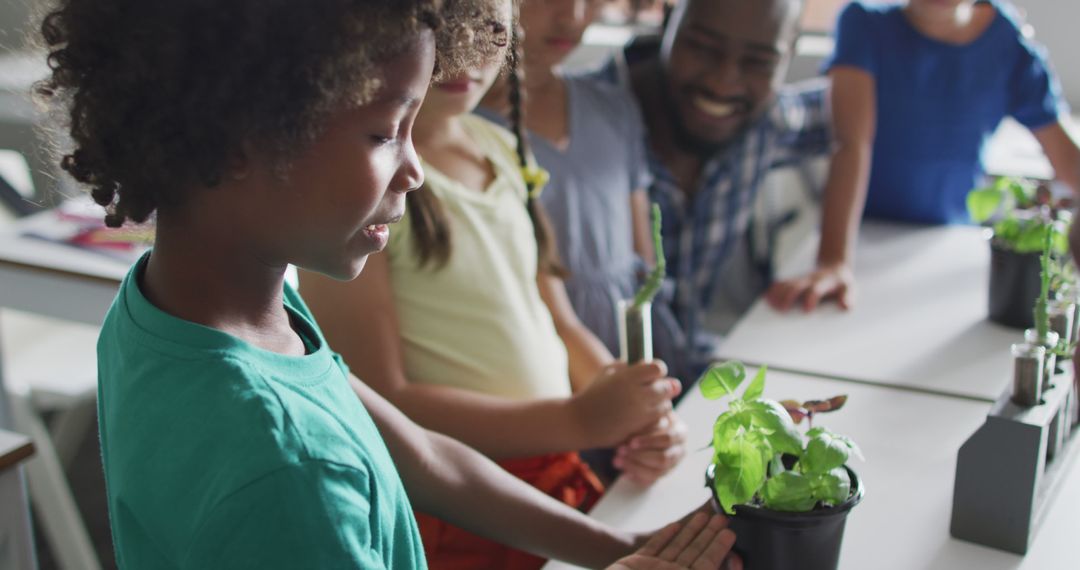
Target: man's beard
683,138
687,141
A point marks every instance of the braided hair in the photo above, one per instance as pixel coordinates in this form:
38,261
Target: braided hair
428,219
548,255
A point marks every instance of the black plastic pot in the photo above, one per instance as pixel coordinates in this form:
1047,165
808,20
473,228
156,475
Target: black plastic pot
1014,286
778,540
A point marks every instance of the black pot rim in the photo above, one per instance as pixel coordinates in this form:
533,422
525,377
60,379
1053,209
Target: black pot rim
752,511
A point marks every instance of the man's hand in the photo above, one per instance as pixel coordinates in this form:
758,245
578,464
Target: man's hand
700,543
649,455
833,281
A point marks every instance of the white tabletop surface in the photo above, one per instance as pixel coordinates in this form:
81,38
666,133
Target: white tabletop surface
910,442
17,246
54,279
919,319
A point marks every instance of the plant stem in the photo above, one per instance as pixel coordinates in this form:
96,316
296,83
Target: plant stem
652,284
1042,317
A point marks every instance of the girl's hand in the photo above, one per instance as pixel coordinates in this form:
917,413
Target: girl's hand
649,455
622,401
700,543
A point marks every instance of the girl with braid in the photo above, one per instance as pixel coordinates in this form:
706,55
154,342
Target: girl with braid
590,137
466,327
232,436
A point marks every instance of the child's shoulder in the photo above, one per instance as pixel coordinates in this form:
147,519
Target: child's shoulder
488,129
861,13
496,141
593,86
604,101
1009,20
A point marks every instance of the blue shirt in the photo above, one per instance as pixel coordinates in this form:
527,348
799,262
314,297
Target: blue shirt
938,104
587,198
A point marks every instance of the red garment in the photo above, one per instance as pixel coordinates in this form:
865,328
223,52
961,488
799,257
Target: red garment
563,476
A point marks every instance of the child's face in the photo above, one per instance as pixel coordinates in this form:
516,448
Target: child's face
333,208
462,93
722,61
553,28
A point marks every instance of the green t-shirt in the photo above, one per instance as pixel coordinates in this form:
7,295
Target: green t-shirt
219,454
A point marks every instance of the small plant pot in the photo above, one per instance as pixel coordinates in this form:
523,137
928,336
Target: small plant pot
1028,370
1031,336
1068,294
778,540
635,332
1014,286
1061,314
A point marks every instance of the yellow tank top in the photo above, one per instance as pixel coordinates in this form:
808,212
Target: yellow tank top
478,322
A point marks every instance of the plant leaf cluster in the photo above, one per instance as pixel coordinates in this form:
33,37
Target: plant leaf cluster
753,436
1021,215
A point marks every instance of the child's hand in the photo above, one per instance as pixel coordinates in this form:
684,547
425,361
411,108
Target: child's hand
700,543
833,281
622,401
649,455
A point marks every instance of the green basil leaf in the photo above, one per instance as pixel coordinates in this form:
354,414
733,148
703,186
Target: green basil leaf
756,387
788,491
824,452
722,379
775,423
740,471
831,488
982,203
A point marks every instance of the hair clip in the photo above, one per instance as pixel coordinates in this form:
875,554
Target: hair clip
535,180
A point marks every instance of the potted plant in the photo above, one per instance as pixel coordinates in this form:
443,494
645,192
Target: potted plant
1020,213
788,494
635,315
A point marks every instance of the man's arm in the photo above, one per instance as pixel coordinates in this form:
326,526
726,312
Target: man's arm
1062,151
854,123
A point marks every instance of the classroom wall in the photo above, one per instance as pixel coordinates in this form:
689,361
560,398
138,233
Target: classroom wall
1055,23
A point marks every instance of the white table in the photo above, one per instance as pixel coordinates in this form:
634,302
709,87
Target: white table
910,442
919,322
52,279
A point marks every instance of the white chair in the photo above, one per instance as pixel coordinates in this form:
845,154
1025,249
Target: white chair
50,367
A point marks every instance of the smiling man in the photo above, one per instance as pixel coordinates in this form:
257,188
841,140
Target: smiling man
719,119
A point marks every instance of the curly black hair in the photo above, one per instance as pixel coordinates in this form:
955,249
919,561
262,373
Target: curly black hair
157,97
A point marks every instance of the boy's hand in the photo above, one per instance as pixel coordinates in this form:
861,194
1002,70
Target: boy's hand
699,543
649,455
622,401
832,281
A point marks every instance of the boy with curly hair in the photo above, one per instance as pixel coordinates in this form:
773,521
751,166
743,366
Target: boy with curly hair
262,134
